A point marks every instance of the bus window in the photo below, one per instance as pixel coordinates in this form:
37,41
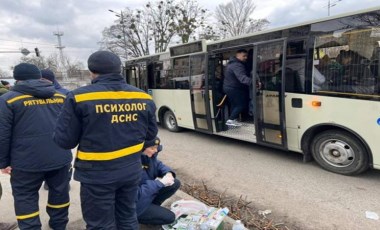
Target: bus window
181,75
166,74
197,66
140,77
342,62
157,70
295,67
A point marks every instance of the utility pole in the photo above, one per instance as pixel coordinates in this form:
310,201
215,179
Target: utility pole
123,30
59,34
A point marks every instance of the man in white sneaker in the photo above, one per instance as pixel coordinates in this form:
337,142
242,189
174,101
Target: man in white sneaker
236,86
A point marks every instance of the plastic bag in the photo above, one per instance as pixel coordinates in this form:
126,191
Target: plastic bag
187,207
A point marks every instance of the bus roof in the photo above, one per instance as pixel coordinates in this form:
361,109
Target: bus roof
147,56
295,25
268,31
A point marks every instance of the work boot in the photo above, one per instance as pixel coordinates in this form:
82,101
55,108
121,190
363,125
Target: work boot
8,226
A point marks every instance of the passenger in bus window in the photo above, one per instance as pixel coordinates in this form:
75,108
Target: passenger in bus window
236,85
356,76
318,79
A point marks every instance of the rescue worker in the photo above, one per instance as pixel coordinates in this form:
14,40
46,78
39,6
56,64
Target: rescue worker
3,88
27,150
6,84
49,75
158,183
110,120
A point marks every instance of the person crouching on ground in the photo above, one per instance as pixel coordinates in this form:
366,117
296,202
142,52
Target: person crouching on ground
158,183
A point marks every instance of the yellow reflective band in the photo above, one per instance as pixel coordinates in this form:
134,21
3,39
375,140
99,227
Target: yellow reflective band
111,95
105,156
18,98
23,217
58,205
59,95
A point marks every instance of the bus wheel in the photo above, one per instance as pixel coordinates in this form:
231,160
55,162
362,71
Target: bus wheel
170,121
339,152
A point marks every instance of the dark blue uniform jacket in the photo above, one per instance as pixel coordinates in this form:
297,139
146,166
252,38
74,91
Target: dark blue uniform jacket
28,115
149,186
236,75
59,88
110,120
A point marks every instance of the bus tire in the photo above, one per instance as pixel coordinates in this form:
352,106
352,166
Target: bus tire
170,122
339,152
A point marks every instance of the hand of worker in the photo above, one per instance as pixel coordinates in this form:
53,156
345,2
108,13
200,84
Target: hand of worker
6,170
169,174
167,180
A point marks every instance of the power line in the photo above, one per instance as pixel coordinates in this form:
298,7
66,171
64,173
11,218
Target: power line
38,43
331,3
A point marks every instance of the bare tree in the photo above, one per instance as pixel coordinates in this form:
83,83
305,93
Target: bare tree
74,67
234,18
189,16
162,23
129,36
40,61
52,62
3,74
153,27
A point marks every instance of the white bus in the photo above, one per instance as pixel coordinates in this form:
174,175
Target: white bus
319,94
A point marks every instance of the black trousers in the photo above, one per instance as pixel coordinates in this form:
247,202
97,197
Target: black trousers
110,206
157,215
238,99
25,187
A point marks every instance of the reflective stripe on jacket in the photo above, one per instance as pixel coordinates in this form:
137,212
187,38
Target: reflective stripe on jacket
27,120
110,120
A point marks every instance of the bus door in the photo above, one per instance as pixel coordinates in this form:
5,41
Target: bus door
268,92
199,94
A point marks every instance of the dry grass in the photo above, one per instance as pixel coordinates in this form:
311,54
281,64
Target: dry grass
240,208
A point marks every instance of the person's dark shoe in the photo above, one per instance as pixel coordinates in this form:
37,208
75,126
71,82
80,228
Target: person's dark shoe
8,226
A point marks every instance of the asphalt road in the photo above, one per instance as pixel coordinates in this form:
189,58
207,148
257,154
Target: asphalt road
302,195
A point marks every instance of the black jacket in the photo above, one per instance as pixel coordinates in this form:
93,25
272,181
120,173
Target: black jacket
236,75
110,120
28,115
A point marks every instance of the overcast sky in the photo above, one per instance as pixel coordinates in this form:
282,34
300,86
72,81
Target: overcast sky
31,23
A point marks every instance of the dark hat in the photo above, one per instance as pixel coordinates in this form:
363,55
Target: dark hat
4,82
48,74
26,71
155,141
103,62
